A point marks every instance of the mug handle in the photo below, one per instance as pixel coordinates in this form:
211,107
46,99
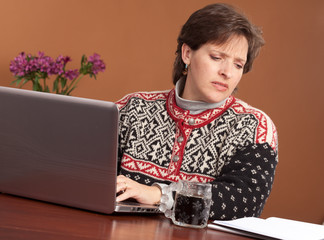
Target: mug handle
167,201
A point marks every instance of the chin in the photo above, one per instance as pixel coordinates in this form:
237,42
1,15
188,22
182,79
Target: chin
215,99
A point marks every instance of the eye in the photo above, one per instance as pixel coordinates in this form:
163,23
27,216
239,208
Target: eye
238,66
216,58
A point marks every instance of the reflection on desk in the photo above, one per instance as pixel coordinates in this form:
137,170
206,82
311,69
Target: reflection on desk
22,218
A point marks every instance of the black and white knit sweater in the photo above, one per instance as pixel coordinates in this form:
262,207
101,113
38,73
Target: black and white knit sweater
234,147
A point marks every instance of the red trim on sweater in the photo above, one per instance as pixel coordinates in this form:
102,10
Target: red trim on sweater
201,119
149,96
155,171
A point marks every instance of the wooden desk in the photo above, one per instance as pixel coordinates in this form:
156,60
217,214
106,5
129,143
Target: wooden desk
26,219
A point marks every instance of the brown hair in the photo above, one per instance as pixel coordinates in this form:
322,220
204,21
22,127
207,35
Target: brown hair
216,23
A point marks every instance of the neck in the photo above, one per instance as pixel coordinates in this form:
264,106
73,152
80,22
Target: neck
194,107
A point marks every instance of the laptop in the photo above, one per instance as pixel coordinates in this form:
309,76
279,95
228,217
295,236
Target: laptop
61,149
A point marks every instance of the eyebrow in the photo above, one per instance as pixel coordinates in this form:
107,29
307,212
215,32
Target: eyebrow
226,55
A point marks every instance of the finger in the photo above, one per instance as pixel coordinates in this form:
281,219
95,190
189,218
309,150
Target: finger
121,178
125,195
121,183
121,186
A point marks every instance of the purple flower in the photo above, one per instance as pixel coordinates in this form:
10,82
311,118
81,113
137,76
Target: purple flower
24,64
18,65
41,54
57,66
63,60
71,74
43,63
97,64
35,67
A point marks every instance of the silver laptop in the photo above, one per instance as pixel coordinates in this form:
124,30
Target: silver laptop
60,149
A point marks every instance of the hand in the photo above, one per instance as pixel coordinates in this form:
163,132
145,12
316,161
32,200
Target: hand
140,192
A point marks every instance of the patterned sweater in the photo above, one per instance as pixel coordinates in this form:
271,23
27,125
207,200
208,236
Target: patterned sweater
234,147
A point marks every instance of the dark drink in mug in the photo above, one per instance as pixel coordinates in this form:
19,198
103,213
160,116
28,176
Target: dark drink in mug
191,210
191,204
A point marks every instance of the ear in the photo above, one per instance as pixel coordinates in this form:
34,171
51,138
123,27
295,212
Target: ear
186,53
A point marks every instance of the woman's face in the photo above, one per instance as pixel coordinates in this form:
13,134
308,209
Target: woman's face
214,70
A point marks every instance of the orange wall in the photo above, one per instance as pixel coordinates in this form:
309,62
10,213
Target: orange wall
137,40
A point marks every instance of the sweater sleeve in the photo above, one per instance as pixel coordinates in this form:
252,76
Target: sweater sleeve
245,183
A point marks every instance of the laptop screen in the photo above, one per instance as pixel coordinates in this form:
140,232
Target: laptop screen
59,149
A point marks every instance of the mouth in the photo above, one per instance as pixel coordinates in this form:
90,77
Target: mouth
220,86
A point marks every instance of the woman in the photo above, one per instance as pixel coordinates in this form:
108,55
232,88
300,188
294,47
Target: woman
198,131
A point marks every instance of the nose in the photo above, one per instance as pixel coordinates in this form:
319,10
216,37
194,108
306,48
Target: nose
226,70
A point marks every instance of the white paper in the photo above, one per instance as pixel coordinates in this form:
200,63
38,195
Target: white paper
276,228
238,232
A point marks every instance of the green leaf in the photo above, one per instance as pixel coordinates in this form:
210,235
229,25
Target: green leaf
40,88
63,82
55,86
17,81
83,59
35,87
24,82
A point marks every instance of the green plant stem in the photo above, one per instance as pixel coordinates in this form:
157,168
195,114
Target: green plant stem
73,84
45,84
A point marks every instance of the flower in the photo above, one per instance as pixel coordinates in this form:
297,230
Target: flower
26,67
97,64
71,74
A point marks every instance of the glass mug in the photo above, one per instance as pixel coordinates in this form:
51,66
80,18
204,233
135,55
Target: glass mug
191,205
